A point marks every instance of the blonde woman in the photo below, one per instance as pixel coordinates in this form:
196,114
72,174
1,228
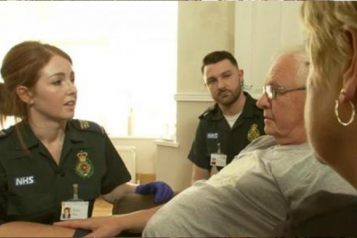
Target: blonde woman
331,30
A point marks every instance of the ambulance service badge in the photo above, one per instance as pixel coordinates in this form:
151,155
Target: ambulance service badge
84,167
253,132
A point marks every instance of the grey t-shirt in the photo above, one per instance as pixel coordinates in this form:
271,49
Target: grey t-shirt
250,196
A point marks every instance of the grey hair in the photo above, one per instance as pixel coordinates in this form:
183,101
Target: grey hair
302,62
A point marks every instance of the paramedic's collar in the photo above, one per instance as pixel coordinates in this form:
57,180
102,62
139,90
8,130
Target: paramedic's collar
30,140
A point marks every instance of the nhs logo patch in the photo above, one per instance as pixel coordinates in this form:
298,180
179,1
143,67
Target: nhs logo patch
21,181
212,135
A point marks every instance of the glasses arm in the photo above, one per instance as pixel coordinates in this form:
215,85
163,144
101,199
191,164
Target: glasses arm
287,89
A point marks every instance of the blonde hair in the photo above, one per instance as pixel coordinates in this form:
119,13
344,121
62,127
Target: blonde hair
327,43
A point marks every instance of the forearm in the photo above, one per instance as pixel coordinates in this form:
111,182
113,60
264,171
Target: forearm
199,173
119,191
136,221
113,225
27,229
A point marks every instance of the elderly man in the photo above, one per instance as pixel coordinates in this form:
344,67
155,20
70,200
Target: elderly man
252,195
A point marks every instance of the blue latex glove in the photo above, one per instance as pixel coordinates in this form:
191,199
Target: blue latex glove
161,190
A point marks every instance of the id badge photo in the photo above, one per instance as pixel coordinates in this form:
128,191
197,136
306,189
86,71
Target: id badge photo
74,208
219,160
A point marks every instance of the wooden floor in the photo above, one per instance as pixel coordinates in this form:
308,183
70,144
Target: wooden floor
102,208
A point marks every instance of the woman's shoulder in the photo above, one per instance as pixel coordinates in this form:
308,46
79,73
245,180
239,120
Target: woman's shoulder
6,139
86,126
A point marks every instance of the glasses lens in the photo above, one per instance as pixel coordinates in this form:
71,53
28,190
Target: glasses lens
268,89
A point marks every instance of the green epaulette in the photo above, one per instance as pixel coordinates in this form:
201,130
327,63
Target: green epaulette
4,133
88,126
207,112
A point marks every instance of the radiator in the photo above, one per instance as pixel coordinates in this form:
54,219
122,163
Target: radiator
128,155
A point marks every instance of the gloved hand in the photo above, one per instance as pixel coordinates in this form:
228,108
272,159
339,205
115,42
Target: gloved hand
162,191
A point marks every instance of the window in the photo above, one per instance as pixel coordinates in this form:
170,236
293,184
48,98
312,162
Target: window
124,54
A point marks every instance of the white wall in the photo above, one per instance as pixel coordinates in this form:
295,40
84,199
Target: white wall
146,152
261,29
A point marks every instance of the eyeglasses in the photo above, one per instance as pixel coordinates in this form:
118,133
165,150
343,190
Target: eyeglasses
272,90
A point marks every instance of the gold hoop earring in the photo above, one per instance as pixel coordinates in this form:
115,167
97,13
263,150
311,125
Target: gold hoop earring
337,115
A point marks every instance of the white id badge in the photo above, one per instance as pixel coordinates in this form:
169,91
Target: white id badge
219,160
74,210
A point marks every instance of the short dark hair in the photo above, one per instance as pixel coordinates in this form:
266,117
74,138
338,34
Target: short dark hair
217,56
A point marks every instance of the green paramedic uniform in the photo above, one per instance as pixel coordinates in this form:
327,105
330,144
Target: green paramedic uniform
32,185
213,129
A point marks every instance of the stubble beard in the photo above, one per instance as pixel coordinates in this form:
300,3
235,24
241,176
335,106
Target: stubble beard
233,97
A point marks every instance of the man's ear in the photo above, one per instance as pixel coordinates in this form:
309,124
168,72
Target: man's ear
24,94
241,73
350,75
241,76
